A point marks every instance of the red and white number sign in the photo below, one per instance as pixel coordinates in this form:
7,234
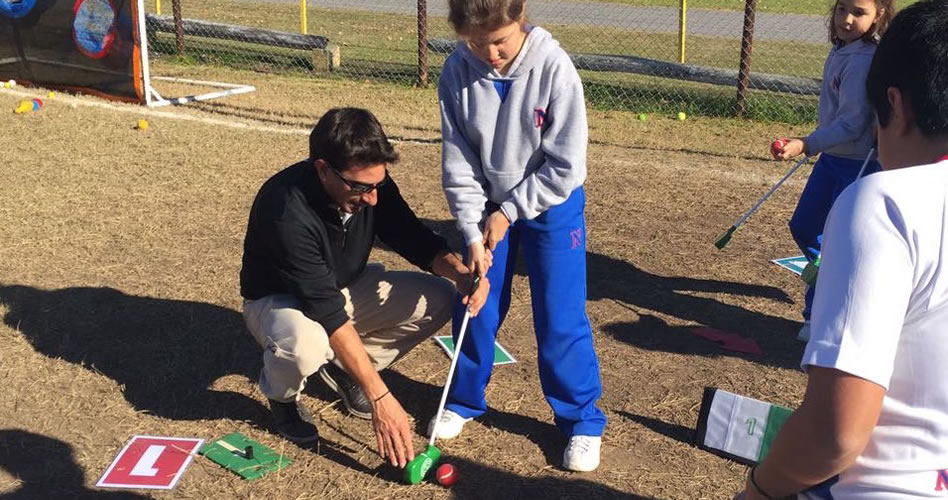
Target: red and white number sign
150,462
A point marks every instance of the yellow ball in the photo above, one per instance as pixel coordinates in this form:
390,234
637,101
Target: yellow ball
682,116
142,125
51,94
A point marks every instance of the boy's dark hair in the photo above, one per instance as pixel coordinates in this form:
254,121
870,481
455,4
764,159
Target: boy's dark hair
878,29
484,14
913,57
346,137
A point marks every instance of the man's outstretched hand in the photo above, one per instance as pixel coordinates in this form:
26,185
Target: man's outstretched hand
392,431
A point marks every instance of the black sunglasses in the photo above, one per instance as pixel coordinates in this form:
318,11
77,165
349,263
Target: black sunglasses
358,187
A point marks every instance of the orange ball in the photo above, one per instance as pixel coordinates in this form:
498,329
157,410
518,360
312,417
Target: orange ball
447,475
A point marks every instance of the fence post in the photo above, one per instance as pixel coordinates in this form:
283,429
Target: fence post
304,25
747,49
422,43
682,30
158,7
178,28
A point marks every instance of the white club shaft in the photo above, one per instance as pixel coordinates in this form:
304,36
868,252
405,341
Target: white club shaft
863,169
447,384
772,190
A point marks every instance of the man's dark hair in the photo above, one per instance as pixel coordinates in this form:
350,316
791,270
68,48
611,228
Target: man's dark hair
347,137
913,57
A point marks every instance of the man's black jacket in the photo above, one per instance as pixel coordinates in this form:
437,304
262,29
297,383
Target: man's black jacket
296,243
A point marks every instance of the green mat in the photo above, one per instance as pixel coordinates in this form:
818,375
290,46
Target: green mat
230,452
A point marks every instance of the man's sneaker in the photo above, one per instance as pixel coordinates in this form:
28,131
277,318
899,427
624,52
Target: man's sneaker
450,426
582,453
351,393
293,422
804,334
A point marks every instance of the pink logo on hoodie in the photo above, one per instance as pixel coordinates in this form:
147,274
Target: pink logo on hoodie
539,117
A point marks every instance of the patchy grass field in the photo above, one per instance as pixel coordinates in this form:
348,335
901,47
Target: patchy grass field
120,310
383,47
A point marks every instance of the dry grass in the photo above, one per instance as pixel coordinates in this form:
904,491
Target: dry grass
119,298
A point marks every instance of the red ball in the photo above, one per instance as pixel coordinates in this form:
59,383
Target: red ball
447,475
777,147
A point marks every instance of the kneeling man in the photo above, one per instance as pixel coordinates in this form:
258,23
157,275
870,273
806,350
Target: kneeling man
312,300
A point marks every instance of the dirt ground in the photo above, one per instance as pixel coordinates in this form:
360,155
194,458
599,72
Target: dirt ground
119,259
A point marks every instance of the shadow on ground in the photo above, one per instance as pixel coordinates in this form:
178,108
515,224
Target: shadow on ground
677,432
629,286
165,353
46,468
477,481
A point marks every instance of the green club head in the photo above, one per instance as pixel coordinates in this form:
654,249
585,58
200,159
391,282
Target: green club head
810,272
725,238
417,469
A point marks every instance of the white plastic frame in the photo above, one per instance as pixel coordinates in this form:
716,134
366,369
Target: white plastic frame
154,99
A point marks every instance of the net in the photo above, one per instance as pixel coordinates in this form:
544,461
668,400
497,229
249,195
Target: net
90,46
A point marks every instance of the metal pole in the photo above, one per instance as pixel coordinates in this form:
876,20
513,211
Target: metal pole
178,28
422,43
682,30
747,49
158,7
303,23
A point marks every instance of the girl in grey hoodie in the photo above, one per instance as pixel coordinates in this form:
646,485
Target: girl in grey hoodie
513,122
846,132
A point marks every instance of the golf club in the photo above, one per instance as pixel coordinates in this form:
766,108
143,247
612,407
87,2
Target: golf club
863,169
722,241
417,469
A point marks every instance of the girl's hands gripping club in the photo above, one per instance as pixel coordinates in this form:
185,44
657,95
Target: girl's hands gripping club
495,229
479,259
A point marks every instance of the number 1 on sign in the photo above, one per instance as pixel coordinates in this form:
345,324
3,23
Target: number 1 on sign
146,465
751,424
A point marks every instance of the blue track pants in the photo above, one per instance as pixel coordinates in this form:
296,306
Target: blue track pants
554,246
830,176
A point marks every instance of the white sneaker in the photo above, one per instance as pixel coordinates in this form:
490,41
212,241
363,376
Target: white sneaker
582,453
450,426
804,335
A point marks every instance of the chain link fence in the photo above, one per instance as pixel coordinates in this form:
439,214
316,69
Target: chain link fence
639,58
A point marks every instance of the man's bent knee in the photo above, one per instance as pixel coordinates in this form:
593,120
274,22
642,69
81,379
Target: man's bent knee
305,352
439,296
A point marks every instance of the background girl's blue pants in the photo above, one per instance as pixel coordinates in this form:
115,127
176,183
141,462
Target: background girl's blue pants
554,246
830,176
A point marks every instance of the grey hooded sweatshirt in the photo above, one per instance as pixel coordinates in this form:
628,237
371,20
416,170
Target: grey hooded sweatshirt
517,140
846,119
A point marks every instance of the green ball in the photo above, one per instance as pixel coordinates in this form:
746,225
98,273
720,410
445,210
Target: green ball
642,117
682,116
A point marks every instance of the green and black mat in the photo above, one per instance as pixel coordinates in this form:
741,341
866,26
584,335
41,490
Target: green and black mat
244,456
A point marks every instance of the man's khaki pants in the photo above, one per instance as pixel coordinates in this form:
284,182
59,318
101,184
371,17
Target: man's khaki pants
391,310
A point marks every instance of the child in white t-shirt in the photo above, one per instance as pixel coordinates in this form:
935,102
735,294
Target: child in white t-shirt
875,411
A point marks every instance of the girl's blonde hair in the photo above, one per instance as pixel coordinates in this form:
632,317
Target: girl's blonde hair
878,29
484,14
